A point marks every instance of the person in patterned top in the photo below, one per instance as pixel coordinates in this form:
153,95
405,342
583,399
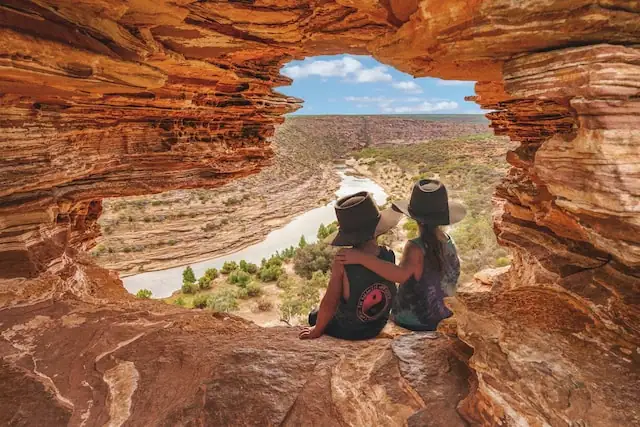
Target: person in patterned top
430,267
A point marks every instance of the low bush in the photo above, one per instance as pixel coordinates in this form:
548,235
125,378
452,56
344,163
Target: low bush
212,273
143,294
286,282
298,301
254,289
264,305
228,267
313,257
271,273
223,300
248,267
411,227
201,301
179,301
189,288
502,262
204,283
239,277
319,280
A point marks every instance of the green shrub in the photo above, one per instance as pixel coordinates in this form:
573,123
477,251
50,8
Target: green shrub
326,231
254,289
228,267
502,261
223,300
212,273
204,282
189,288
179,301
271,273
242,293
411,227
298,301
201,301
286,282
274,260
288,253
240,278
314,257
188,276
248,267
143,294
302,243
319,280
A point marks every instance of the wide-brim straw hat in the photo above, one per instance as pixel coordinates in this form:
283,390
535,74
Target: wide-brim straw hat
430,204
360,220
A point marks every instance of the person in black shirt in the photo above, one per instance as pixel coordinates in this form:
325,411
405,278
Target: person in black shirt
357,303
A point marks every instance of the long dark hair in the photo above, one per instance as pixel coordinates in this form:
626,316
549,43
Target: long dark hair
433,246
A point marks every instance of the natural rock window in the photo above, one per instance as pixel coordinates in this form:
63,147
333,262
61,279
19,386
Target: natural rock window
120,99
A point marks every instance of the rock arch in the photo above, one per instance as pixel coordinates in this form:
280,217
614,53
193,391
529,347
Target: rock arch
129,97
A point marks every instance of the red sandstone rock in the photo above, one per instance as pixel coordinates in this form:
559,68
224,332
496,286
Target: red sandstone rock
120,98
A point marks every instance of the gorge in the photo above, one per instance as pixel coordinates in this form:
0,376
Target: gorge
103,99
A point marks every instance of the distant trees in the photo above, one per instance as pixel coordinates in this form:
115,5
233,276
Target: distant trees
188,276
189,285
228,267
248,267
326,231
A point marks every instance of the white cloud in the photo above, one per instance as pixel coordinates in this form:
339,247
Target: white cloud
424,107
346,67
334,68
368,99
370,75
408,87
454,83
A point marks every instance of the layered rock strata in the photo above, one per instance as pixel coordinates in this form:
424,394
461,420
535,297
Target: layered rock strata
565,319
120,98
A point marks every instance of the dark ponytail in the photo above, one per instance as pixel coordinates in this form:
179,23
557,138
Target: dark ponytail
433,246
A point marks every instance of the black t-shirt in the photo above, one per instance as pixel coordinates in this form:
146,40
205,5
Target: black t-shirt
370,300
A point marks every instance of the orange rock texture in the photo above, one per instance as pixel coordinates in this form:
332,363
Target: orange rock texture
110,98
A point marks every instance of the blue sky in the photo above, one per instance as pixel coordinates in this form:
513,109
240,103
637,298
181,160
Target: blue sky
348,84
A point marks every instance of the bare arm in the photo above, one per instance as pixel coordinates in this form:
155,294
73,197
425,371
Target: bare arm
329,303
411,263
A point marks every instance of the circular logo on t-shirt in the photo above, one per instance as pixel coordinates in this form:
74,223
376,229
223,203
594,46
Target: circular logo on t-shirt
374,302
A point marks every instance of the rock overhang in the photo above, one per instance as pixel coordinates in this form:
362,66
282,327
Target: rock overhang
120,98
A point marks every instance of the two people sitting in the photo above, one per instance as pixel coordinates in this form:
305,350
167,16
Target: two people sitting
362,295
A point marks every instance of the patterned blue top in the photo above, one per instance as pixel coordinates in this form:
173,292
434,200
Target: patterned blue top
419,304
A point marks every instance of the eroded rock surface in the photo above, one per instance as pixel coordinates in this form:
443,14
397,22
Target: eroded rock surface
149,364
120,98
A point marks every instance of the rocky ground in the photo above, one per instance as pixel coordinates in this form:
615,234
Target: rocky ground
216,369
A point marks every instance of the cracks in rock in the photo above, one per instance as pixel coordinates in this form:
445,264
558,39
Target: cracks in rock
48,383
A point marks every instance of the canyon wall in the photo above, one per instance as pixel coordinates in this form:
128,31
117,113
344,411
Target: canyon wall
111,98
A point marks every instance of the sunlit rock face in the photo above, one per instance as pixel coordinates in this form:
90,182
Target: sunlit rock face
557,337
112,98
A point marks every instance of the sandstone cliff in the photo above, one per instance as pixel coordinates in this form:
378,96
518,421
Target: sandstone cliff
113,98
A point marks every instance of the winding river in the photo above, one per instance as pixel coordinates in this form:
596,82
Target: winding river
164,282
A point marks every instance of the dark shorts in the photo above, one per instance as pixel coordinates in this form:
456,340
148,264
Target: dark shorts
336,330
